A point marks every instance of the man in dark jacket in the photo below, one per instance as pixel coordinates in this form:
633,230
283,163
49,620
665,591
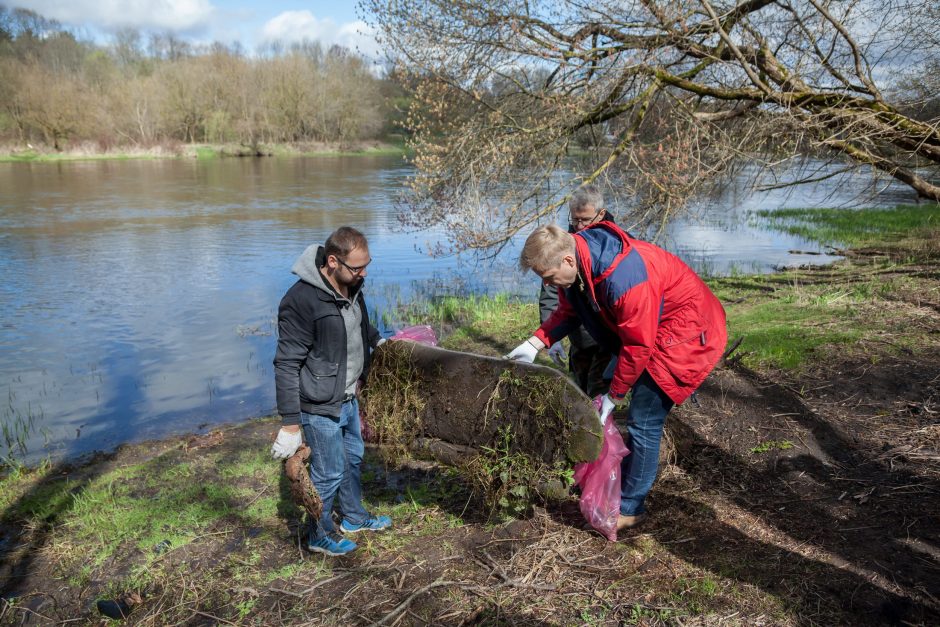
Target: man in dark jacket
587,360
323,353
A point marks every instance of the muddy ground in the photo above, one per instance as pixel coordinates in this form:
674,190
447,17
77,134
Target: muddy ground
783,500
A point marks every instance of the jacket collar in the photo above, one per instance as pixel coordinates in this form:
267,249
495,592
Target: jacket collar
600,247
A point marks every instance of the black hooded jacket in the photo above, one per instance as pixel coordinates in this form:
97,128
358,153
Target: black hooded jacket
311,359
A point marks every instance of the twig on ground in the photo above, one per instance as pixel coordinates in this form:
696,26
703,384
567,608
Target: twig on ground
733,348
215,618
260,494
303,593
401,607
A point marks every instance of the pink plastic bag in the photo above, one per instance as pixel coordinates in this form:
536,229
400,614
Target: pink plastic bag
600,482
422,334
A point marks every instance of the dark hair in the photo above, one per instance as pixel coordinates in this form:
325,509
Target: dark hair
343,241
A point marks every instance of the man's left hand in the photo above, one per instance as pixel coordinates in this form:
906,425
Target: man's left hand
557,353
607,408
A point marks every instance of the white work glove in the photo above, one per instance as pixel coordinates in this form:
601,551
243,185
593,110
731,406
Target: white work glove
381,341
607,407
526,351
286,444
558,354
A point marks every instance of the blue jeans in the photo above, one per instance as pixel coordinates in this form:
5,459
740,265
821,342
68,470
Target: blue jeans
646,417
335,461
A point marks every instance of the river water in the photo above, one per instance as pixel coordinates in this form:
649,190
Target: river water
138,298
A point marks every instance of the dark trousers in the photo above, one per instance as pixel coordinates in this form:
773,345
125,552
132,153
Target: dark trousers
587,367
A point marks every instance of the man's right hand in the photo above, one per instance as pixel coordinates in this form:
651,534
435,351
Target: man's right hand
526,351
607,408
288,441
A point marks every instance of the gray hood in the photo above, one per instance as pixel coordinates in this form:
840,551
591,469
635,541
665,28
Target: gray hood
308,265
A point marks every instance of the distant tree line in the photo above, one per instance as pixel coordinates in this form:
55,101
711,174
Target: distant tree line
146,90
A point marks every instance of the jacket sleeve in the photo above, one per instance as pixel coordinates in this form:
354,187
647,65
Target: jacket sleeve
372,334
548,301
294,337
372,337
636,316
563,321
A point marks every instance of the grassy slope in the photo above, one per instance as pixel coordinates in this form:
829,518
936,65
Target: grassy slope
191,528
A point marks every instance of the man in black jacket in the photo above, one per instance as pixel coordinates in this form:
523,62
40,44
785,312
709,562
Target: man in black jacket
323,353
587,361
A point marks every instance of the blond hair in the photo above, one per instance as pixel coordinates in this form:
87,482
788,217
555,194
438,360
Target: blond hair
545,248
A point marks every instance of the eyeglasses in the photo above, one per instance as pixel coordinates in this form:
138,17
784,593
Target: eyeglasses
576,222
354,269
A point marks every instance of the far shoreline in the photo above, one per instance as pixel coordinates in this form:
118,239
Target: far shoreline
202,151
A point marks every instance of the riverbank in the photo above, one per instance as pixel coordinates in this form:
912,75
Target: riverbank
803,490
91,152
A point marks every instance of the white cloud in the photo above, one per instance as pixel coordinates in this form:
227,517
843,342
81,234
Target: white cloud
295,26
171,15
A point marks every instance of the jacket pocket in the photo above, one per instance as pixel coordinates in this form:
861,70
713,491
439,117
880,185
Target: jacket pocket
685,350
318,380
688,327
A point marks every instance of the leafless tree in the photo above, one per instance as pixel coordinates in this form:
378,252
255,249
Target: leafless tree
669,95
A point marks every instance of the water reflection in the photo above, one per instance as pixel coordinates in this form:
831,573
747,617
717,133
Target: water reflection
720,236
138,298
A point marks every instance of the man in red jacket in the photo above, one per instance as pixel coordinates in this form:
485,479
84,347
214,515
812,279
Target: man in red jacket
649,309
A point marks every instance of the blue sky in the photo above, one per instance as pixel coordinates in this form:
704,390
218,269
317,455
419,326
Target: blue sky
252,22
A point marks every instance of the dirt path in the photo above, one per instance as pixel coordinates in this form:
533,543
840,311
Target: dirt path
845,498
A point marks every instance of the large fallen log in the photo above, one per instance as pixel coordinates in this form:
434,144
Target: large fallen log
480,403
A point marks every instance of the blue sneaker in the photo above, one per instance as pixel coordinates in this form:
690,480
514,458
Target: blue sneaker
372,523
328,545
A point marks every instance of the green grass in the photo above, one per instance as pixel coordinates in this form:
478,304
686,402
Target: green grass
480,324
790,318
384,150
148,509
770,445
31,156
854,227
107,515
201,152
784,331
206,152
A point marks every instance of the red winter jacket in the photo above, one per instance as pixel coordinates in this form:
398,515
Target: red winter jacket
646,306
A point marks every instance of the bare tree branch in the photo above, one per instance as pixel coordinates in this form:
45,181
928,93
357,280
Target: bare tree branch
661,98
